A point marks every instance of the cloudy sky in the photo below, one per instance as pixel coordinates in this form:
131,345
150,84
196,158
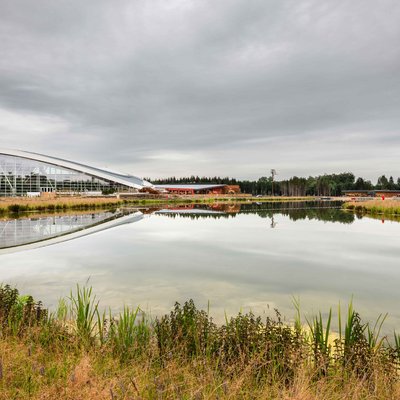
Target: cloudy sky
220,87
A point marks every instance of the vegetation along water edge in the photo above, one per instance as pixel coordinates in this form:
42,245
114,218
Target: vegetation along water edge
375,207
81,352
16,205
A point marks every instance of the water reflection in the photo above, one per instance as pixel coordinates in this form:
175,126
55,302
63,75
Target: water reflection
19,233
225,254
321,211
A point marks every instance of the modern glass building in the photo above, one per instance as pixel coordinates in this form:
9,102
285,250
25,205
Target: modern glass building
24,173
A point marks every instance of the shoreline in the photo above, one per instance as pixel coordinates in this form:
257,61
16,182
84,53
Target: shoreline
18,205
82,353
375,207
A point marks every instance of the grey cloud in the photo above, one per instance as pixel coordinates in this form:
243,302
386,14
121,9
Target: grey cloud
217,81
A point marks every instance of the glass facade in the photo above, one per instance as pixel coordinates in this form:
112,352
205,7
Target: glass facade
23,231
21,177
41,230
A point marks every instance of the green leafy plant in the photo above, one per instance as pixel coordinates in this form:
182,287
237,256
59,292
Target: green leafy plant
84,310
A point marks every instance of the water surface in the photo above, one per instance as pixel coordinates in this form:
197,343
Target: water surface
254,256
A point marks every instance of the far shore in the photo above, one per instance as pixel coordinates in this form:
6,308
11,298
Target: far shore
374,207
25,204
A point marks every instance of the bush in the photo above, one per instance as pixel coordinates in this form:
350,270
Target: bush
186,331
17,313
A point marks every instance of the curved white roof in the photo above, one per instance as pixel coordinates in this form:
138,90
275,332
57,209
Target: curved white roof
118,177
75,234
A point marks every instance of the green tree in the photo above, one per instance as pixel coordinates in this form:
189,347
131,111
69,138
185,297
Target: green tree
382,183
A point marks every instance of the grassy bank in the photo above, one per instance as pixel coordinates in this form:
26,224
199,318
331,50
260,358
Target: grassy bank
78,352
17,205
375,207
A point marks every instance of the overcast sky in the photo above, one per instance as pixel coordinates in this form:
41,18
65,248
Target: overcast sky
179,87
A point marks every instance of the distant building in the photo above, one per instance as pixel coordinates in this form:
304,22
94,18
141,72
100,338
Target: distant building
23,173
371,193
192,189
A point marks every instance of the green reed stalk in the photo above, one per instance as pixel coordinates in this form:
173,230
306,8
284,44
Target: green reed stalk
350,334
396,346
320,339
297,318
373,336
84,310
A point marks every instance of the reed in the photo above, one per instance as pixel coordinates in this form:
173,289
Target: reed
84,311
320,341
129,334
396,346
80,352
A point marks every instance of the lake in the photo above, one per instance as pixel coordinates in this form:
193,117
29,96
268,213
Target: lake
234,257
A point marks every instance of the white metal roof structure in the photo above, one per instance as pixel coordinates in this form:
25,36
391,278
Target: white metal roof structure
117,177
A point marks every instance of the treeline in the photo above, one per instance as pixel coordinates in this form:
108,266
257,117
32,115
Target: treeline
322,185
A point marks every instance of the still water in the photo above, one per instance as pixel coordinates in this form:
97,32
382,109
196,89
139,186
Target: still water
249,257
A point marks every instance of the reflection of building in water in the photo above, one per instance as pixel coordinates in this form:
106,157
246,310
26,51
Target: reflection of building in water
224,207
227,208
19,232
186,211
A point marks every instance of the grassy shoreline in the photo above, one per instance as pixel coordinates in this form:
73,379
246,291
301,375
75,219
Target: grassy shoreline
17,205
375,207
79,352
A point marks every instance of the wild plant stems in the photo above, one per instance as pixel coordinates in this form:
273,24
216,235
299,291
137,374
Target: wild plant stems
266,353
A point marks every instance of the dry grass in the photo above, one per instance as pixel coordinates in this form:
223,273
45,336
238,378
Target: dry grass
184,356
31,372
16,205
375,207
13,205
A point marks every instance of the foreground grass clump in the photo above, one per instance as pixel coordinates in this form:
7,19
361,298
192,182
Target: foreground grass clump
375,207
79,352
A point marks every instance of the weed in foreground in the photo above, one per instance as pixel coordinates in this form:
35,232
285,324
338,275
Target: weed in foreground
84,310
184,354
18,313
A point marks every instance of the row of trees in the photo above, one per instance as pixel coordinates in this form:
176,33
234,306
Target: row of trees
322,185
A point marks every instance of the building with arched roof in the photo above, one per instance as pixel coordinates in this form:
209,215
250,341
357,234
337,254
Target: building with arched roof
25,173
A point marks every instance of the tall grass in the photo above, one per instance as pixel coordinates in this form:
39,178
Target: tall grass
84,313
320,341
259,353
130,333
375,207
